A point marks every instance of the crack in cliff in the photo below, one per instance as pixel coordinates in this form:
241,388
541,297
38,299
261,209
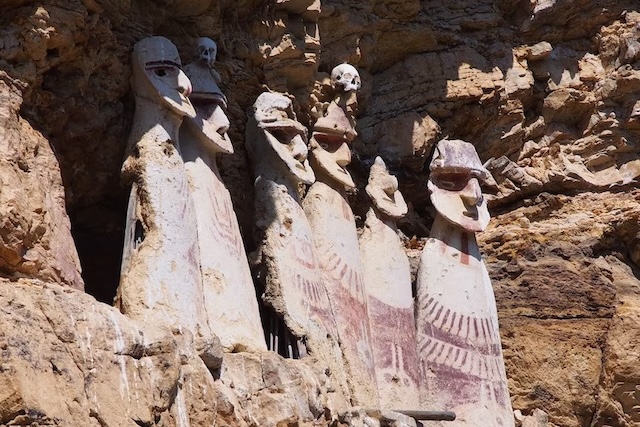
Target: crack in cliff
560,318
60,338
497,207
86,376
603,374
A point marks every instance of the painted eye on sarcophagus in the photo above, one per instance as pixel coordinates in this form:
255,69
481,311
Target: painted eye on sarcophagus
328,143
285,136
163,69
452,181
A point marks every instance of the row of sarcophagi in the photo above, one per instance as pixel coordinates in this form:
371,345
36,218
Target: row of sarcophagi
344,299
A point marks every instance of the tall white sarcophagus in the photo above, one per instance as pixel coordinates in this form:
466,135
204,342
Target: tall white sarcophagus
461,363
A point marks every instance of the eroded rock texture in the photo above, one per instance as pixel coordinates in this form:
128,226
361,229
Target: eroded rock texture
35,233
567,287
547,90
68,360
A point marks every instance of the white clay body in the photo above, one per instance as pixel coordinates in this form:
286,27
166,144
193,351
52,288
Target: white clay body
457,329
294,285
461,362
336,244
230,302
231,307
387,280
160,279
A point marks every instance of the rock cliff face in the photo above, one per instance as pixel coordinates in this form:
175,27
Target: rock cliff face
547,90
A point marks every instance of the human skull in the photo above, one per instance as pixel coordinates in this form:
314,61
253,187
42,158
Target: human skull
347,76
207,50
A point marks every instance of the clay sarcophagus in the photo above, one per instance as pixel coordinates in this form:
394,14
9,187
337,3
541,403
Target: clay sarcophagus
293,281
387,281
160,276
335,235
461,363
230,304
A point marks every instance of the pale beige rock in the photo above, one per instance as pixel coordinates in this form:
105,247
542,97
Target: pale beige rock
273,391
560,70
568,106
571,352
108,370
539,51
160,277
537,419
510,177
230,305
591,68
366,417
406,138
459,351
518,78
35,231
289,45
387,281
294,286
87,364
336,241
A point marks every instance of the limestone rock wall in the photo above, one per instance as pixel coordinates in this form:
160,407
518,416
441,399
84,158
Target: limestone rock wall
35,230
68,360
567,285
547,90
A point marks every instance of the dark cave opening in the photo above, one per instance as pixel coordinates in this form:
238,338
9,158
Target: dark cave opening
278,336
98,231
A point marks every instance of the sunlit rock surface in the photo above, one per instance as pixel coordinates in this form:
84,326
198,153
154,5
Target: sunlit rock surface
547,91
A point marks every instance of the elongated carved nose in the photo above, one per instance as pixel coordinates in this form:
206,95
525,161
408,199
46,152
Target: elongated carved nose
343,155
471,194
221,119
299,149
184,84
392,185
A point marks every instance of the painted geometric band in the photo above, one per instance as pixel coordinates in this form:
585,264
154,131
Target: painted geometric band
480,333
437,355
343,273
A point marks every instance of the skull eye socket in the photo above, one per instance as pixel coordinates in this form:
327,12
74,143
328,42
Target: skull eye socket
339,78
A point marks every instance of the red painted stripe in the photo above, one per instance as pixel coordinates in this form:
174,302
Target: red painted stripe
464,240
